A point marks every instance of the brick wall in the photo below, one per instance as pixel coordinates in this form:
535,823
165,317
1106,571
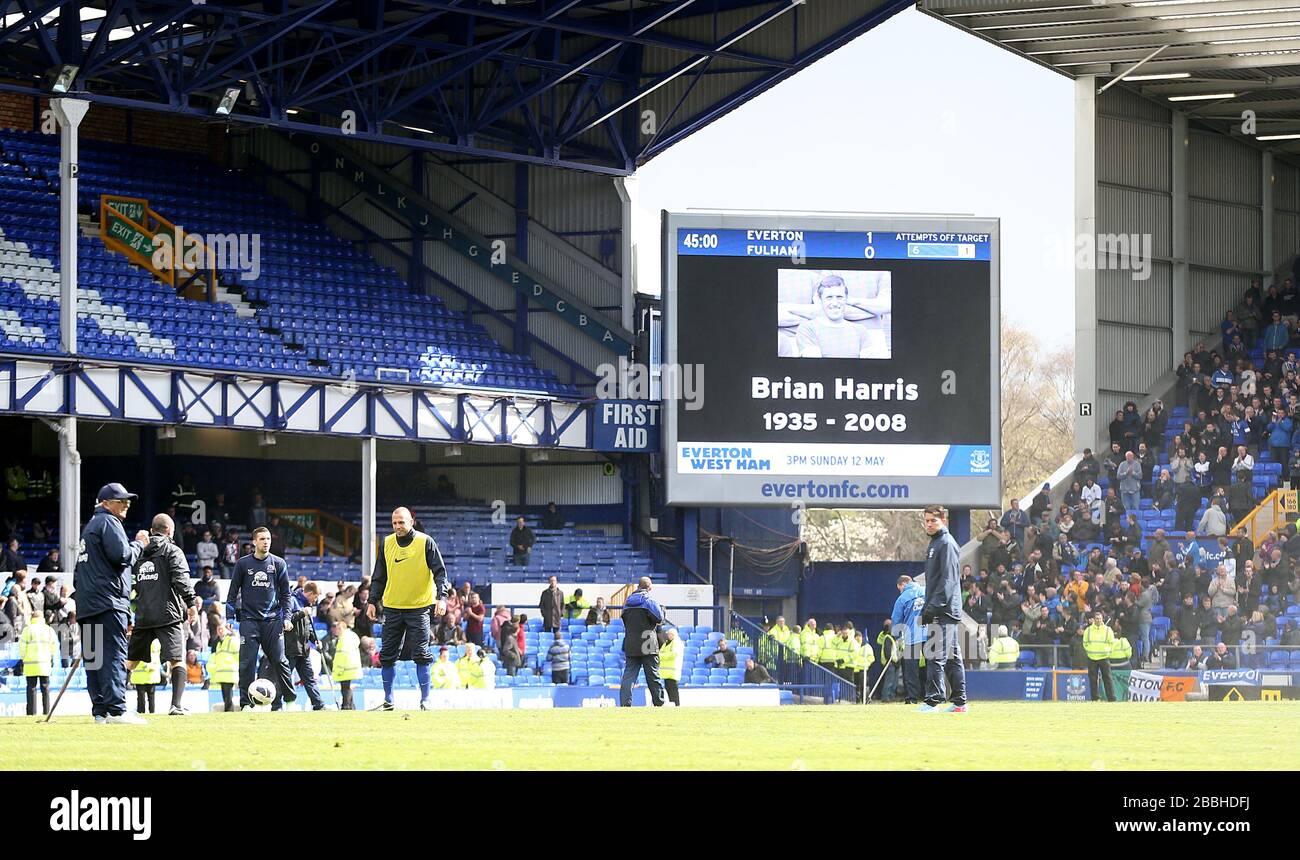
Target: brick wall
118,125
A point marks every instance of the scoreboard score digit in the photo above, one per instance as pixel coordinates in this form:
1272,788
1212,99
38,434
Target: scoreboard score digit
845,361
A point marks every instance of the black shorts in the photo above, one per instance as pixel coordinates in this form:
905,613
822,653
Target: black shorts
170,639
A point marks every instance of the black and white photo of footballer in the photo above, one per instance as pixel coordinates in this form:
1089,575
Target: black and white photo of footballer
834,314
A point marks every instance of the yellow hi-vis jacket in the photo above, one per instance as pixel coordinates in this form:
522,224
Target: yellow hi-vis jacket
1098,640
1004,650
1120,651
471,673
347,657
444,676
863,656
223,665
780,633
37,646
151,672
671,655
839,653
810,644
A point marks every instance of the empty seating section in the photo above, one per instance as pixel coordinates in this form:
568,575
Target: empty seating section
476,550
319,307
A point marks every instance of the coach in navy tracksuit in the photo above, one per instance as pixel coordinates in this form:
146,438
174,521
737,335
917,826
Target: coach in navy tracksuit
259,593
941,615
102,591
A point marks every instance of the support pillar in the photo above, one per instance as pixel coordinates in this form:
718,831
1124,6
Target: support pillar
69,113
959,525
369,522
1180,241
626,187
1085,279
521,251
1266,259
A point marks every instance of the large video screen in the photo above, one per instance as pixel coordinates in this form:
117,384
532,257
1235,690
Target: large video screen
833,361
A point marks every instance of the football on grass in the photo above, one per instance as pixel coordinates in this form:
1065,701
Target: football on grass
261,691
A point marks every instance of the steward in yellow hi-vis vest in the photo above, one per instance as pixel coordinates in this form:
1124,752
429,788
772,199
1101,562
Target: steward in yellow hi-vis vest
1098,642
409,577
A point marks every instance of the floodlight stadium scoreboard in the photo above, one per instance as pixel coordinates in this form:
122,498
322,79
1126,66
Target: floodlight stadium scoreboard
831,361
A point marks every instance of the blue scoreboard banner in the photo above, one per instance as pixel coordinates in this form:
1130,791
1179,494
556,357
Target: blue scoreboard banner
626,425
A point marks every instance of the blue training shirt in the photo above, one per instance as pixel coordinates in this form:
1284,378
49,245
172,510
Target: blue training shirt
259,589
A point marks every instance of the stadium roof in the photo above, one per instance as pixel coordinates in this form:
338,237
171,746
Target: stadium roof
1212,59
564,82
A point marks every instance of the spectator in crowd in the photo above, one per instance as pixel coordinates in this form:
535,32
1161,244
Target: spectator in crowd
500,616
7,633
1129,474
558,654
195,630
509,652
1042,503
521,624
230,553
206,587
446,633
755,673
552,518
521,542
722,657
1087,467
1221,658
551,606
475,613
1015,521
1222,591
598,614
11,559
50,563
1091,496
453,611
1213,522
195,675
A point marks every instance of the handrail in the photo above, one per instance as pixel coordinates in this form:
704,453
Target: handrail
135,237
1278,503
791,670
322,526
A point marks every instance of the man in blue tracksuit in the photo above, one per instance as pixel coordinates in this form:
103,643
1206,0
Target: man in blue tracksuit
642,618
260,598
906,620
941,614
102,586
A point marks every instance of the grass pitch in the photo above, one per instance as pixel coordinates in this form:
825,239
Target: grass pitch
993,736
